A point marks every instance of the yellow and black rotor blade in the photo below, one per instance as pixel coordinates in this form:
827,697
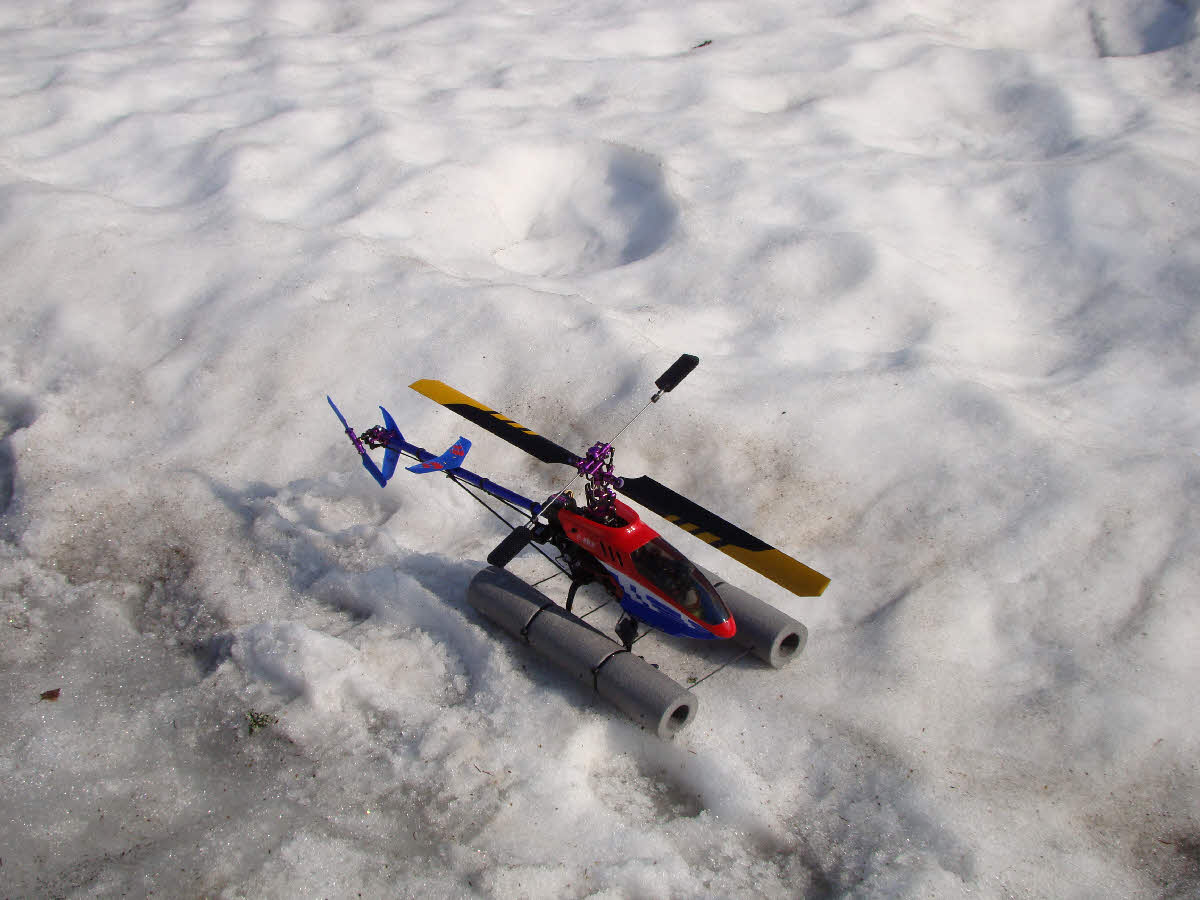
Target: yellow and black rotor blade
726,537
498,424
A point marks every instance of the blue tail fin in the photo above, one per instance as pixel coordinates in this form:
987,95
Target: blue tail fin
451,459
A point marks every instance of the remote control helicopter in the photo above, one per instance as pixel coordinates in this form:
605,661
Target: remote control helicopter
605,540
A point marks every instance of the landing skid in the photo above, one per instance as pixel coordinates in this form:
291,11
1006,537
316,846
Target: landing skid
691,667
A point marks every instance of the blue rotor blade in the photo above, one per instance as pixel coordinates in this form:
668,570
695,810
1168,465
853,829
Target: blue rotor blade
390,457
368,463
337,412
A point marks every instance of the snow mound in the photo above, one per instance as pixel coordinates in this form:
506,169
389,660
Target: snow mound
579,210
1133,29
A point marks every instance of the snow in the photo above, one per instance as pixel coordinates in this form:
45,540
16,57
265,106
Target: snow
939,261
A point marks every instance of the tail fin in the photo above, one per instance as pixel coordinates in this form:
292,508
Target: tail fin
451,459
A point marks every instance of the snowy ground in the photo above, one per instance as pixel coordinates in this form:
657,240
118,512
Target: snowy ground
940,261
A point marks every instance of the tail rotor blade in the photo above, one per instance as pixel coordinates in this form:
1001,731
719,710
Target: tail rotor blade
490,420
725,536
391,456
368,463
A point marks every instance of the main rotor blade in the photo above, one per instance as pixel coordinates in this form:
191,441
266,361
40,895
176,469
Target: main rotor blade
726,537
490,420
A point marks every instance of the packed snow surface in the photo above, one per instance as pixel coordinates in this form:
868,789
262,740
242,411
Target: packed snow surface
941,264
